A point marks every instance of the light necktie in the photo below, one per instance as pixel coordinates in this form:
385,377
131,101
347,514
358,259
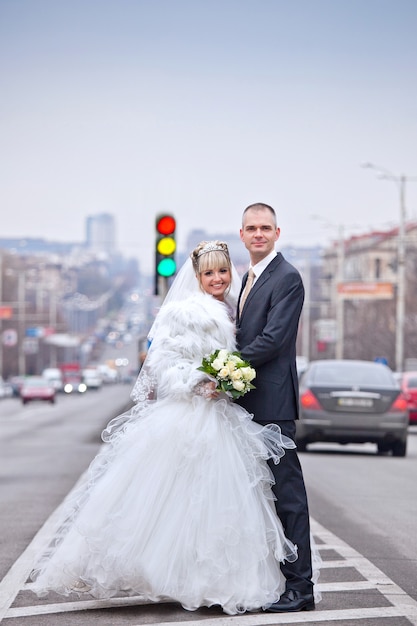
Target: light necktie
248,287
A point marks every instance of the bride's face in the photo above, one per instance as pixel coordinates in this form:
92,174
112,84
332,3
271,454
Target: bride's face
216,282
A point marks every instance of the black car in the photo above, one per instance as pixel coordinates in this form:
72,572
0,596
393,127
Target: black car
352,401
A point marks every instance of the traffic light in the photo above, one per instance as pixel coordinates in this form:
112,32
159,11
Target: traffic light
165,265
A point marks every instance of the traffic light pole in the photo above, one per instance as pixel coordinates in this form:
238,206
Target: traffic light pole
161,286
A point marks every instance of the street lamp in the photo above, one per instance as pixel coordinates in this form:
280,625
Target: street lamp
400,182
340,304
21,289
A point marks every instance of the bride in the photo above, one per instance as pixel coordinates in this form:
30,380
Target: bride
178,504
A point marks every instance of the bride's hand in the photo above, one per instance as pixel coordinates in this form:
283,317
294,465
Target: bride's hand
207,390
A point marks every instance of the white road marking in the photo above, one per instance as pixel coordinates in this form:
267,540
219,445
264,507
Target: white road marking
245,620
402,605
20,570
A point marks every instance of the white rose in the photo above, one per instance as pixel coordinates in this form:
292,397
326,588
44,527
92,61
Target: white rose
230,366
239,385
236,375
248,373
222,355
217,364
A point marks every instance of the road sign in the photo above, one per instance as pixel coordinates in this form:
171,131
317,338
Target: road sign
9,337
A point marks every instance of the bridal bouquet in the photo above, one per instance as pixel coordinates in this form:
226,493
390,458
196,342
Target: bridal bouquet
232,374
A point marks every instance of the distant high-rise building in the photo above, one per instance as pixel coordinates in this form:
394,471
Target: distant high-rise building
101,233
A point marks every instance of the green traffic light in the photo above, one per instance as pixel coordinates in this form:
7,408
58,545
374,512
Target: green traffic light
166,267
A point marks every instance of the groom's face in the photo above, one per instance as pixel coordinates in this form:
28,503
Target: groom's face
259,233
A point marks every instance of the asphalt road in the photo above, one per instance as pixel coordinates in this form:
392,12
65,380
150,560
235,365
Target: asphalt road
371,501
363,509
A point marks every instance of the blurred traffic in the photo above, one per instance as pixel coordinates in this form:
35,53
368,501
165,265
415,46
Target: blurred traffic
111,353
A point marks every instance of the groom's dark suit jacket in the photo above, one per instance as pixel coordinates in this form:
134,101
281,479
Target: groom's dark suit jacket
266,336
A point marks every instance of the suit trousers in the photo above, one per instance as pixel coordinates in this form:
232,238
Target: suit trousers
292,509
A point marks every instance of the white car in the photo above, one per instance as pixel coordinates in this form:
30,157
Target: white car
54,376
92,378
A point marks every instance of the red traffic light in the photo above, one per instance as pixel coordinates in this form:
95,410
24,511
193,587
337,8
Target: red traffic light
165,224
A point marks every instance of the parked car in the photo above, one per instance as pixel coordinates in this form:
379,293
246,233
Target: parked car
408,383
351,401
37,388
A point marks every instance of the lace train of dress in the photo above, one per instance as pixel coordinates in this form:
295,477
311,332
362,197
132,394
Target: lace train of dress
179,508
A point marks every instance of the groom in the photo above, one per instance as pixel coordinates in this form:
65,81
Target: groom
267,325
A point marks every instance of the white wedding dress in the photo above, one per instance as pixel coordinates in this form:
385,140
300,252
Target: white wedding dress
177,506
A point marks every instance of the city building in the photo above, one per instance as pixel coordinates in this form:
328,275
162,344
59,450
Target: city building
368,305
101,233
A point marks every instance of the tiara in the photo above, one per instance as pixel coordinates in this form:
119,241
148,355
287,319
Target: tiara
211,246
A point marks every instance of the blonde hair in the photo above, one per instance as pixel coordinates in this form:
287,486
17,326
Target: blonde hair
210,255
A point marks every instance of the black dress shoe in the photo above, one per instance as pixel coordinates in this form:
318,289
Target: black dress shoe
292,601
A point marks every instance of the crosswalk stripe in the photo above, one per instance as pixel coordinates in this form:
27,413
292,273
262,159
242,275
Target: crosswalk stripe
249,619
401,605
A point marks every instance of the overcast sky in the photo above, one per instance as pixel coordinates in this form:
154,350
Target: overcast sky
201,107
